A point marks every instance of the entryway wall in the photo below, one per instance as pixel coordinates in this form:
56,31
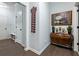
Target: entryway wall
38,41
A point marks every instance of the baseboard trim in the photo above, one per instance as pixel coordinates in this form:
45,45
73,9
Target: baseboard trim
78,53
35,51
15,40
19,43
26,49
4,38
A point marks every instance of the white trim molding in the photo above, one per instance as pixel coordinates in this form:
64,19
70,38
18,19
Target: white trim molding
78,52
33,50
16,41
4,38
26,49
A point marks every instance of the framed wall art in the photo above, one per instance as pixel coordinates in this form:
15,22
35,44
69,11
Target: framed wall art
62,18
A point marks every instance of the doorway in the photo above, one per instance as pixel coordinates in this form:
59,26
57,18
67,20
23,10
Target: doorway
3,25
20,24
13,21
4,21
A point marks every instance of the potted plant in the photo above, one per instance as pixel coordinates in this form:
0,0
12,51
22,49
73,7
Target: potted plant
69,29
53,29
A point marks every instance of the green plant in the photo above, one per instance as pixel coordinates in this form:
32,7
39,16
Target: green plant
53,29
69,29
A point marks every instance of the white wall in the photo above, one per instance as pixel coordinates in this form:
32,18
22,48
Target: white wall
57,7
44,25
34,37
41,39
12,24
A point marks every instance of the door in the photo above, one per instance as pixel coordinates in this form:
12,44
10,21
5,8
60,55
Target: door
19,24
3,24
3,29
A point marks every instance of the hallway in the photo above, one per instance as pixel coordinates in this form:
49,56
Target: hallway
9,48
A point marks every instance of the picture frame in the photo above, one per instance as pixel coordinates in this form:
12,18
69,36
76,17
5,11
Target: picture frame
62,18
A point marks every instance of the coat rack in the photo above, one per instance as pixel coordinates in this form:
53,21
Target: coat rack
33,19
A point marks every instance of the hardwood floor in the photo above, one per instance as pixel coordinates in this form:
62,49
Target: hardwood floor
9,48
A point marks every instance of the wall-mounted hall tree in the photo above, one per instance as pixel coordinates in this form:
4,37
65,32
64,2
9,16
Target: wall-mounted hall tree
33,19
